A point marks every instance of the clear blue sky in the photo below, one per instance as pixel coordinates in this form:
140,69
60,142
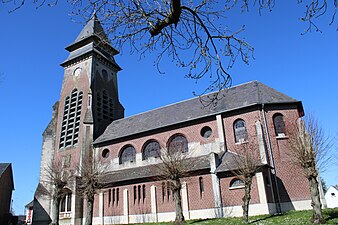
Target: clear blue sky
32,47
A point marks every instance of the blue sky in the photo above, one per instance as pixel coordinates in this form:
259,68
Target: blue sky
32,47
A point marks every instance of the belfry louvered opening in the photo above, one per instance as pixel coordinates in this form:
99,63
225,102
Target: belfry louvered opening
104,106
71,119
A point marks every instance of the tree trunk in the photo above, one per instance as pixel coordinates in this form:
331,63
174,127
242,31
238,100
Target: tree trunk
317,216
178,202
89,213
56,211
246,198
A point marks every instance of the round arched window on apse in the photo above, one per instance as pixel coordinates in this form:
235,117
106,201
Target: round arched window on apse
105,153
206,132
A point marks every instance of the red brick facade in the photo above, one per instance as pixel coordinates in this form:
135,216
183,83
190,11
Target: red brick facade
206,191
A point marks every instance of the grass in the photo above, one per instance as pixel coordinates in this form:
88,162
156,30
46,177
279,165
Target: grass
289,218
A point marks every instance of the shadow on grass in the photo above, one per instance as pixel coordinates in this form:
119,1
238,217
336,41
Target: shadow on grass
266,217
332,214
200,220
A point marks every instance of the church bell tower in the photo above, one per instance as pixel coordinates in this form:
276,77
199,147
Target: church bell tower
88,103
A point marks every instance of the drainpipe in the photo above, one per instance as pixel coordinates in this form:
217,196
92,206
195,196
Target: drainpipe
272,163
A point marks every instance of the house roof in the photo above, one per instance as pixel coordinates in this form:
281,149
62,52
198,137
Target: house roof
151,171
236,97
29,204
3,168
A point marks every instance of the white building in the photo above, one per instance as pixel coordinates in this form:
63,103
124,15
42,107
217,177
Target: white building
331,197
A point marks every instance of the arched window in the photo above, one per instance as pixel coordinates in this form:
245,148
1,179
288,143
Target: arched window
128,154
240,131
279,124
178,143
151,149
71,119
105,75
66,202
236,183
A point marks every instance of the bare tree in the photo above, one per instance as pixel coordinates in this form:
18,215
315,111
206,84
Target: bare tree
309,151
89,183
192,34
246,164
58,176
175,165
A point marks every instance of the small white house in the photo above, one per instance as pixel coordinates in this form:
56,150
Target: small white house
331,197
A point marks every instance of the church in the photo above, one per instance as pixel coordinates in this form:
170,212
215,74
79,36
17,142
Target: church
89,118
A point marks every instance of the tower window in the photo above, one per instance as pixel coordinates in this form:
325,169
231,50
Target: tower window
104,106
66,202
279,124
240,131
70,125
105,75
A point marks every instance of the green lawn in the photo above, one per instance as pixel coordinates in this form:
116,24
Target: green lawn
289,218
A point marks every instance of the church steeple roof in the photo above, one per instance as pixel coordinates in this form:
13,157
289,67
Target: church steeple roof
92,38
92,28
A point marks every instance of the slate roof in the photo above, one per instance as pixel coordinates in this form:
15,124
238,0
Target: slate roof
3,168
93,27
29,204
230,162
87,42
236,97
151,171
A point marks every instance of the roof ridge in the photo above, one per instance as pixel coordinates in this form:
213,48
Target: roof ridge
185,100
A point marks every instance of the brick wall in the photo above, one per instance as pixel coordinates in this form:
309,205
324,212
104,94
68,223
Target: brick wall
233,196
196,198
292,185
190,131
